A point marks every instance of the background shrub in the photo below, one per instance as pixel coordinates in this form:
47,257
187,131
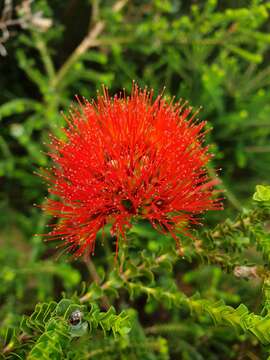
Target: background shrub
214,54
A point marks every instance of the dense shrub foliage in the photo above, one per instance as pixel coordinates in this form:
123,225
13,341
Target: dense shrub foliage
149,302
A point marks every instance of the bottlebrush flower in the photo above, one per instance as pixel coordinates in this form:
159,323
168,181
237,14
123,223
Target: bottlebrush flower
123,158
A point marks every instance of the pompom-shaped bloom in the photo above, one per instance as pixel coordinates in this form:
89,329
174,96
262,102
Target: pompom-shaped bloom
123,158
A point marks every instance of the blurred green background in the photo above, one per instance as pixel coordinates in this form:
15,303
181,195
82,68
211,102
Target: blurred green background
213,53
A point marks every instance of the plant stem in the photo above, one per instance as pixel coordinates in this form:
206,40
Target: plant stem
44,54
94,275
125,276
89,41
165,328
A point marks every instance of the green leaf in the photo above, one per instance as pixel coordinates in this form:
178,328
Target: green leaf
262,193
247,55
19,106
79,330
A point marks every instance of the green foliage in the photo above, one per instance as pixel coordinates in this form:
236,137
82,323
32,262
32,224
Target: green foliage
150,303
51,333
48,332
262,193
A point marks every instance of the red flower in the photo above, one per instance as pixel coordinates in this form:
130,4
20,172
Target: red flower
124,158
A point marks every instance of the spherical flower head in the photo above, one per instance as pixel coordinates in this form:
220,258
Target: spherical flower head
126,158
